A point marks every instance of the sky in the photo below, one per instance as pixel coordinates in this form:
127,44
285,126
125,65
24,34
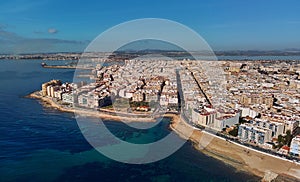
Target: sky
28,26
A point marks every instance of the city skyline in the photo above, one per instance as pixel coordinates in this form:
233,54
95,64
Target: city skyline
49,26
150,90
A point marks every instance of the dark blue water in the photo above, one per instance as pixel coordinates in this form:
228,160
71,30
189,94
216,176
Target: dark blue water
42,144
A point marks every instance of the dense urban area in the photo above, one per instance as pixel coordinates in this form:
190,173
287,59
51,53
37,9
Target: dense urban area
254,103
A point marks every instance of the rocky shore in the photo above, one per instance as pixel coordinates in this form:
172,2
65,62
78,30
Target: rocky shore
50,103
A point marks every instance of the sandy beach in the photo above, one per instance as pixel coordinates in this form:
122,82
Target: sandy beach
241,157
236,155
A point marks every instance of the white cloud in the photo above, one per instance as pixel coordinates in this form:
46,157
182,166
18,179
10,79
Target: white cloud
52,30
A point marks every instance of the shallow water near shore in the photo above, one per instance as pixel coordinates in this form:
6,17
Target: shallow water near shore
44,144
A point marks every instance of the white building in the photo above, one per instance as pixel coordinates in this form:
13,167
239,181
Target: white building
276,127
138,96
82,100
58,94
226,121
255,134
173,99
129,94
203,117
290,125
49,90
151,97
295,146
248,112
68,97
122,92
164,100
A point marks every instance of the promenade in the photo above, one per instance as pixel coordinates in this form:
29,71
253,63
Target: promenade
239,156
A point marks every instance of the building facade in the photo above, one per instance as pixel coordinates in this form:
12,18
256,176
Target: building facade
68,97
276,127
295,146
254,134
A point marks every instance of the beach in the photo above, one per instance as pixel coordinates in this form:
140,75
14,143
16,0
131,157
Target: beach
239,156
236,155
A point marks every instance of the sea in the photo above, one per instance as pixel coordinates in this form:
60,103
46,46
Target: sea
39,143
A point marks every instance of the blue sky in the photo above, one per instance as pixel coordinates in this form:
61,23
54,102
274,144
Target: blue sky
60,25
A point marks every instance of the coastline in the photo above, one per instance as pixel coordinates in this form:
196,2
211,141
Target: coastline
240,157
52,104
64,67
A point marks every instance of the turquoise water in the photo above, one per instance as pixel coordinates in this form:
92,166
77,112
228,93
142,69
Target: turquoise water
43,144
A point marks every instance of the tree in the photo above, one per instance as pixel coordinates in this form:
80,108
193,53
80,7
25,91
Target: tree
258,115
242,120
280,141
234,132
288,138
284,140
